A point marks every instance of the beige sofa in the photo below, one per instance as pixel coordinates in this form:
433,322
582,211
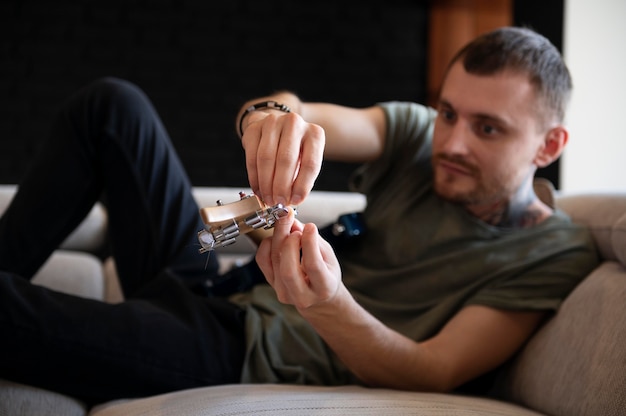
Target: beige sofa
574,365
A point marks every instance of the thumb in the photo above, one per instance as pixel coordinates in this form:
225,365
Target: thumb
284,225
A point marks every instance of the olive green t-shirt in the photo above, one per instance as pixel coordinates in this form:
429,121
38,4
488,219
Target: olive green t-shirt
421,260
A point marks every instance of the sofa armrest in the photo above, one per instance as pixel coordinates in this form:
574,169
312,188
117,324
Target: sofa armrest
89,236
73,272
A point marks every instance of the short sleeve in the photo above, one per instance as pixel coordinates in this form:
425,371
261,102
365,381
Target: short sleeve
407,143
544,282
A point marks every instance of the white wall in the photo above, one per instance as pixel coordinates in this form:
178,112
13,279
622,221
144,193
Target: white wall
595,51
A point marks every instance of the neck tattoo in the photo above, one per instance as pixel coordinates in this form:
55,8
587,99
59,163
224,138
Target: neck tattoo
522,210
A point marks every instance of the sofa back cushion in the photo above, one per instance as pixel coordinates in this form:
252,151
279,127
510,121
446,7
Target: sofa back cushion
576,363
605,215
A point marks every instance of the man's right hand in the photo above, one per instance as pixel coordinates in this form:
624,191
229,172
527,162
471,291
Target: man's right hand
283,155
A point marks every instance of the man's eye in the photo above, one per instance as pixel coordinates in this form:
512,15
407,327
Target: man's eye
487,129
447,115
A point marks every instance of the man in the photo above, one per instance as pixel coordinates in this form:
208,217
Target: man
460,255
460,264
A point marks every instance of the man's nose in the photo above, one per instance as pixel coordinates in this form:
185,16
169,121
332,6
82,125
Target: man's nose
456,141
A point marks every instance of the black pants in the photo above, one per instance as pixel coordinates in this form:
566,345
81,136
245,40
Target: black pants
108,143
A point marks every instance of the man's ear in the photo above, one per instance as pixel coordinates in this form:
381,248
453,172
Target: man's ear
554,142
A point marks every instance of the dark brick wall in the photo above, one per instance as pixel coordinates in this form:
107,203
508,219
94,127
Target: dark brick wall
198,60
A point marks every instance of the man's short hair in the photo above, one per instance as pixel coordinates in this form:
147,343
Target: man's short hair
525,51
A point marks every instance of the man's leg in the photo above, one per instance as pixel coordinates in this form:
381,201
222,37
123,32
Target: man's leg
107,140
164,340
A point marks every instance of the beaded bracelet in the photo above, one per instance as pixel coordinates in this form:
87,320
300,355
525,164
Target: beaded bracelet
265,104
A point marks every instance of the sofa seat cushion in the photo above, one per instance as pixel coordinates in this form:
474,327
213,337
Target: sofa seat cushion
21,400
277,400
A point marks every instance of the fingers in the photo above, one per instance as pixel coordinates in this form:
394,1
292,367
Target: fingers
299,264
270,152
283,156
268,255
309,272
260,146
320,263
294,282
312,152
264,260
280,261
282,230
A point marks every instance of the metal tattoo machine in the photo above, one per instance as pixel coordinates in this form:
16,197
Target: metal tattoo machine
225,222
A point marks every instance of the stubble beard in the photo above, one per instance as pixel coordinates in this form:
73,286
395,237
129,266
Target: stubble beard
478,193
467,190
